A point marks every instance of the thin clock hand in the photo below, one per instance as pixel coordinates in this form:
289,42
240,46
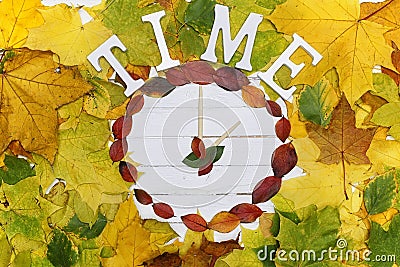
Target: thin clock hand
200,114
226,134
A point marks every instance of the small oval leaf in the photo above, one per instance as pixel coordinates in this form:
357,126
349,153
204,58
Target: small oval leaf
266,189
224,222
143,197
118,150
157,87
194,222
246,212
230,79
198,148
128,172
199,72
253,96
284,159
163,210
175,76
122,127
282,129
273,108
135,105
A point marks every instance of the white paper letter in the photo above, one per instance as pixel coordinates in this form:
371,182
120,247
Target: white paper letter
104,50
284,59
222,22
166,60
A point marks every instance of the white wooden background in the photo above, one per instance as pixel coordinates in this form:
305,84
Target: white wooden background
161,137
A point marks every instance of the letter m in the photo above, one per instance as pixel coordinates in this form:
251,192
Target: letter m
230,46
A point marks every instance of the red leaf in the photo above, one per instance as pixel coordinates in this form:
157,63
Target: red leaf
157,87
135,105
128,172
246,212
230,79
142,197
163,210
199,72
118,150
175,76
284,159
273,109
198,148
205,169
266,189
282,129
195,222
122,127
224,222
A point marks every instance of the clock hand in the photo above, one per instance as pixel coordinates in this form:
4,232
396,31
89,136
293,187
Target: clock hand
200,114
226,134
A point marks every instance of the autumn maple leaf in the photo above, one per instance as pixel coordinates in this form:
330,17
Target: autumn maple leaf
347,40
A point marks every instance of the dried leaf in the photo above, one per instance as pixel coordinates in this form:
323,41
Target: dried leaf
273,108
17,149
199,72
143,197
157,87
198,148
138,72
224,222
246,212
175,76
282,129
165,259
122,127
284,159
118,150
230,79
253,96
135,105
163,210
128,171
194,222
266,189
219,249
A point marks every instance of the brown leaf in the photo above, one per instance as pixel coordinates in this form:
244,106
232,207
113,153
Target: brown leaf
17,149
199,72
282,129
135,105
266,189
118,150
143,197
175,76
198,148
128,171
196,258
165,259
163,210
273,108
224,222
219,249
284,159
157,87
246,212
205,169
122,127
253,96
138,72
342,141
230,79
396,63
195,222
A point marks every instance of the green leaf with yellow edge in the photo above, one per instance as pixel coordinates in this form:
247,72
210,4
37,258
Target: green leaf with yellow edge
317,231
52,35
317,102
17,16
16,169
379,195
200,15
60,250
83,162
385,87
385,243
126,238
30,115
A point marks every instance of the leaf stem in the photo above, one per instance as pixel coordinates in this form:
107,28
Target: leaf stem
344,177
226,134
376,11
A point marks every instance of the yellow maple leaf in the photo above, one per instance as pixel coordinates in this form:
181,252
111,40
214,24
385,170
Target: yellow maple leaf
16,17
320,179
346,40
64,34
126,236
32,87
